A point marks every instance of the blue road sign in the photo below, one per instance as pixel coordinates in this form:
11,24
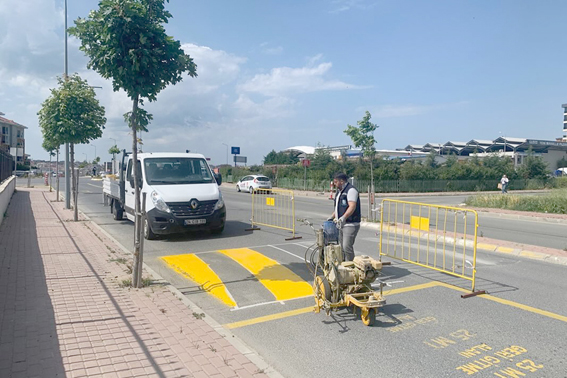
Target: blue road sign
235,150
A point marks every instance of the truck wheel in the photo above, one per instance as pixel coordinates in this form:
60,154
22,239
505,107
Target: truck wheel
148,233
117,210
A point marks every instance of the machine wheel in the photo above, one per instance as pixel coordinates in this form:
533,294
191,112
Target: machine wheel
117,211
322,288
238,188
251,190
368,316
148,233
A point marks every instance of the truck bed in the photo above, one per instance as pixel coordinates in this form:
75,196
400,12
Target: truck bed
111,187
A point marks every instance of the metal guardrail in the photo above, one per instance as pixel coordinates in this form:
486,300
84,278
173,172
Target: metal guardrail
442,238
6,165
273,208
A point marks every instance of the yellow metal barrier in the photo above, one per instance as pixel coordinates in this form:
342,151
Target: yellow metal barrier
442,238
273,208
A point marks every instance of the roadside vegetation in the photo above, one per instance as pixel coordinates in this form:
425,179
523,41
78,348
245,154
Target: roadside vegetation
399,175
554,202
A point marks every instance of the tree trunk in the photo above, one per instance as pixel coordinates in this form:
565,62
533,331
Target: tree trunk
138,258
50,172
74,185
57,177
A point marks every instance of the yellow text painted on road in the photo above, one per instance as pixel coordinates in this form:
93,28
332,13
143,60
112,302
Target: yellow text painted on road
279,280
197,270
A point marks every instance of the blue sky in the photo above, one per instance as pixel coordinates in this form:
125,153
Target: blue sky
275,74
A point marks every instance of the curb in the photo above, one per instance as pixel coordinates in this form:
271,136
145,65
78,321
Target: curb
519,252
240,345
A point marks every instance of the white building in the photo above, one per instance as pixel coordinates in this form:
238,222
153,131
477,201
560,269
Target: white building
12,138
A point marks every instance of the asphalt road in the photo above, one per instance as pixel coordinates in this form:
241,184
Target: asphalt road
425,330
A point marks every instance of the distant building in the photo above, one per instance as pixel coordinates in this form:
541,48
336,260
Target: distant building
564,139
12,138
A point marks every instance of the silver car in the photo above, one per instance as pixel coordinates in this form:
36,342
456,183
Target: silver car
253,182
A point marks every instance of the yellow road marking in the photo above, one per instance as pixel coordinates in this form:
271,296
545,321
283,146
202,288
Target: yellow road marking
533,255
509,303
267,318
505,249
490,247
197,270
305,310
279,280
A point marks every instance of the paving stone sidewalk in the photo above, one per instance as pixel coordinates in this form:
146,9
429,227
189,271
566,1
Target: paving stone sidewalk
65,310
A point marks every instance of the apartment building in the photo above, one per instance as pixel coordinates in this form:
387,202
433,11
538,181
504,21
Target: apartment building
12,138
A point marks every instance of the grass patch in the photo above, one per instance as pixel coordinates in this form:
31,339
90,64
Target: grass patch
554,202
128,282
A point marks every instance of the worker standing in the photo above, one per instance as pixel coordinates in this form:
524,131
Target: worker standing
347,214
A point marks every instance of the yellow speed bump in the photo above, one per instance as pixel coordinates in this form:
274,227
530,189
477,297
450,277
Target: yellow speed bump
197,270
279,280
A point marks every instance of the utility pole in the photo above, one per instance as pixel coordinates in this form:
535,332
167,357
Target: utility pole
67,170
226,153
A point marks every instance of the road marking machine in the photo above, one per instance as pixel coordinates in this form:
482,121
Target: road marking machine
338,283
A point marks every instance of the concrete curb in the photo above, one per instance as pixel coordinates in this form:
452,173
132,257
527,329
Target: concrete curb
519,252
237,343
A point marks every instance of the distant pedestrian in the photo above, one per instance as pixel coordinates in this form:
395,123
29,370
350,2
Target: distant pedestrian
347,214
504,183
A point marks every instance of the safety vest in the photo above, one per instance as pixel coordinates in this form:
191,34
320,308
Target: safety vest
343,205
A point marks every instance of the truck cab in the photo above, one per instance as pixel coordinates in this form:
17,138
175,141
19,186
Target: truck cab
182,193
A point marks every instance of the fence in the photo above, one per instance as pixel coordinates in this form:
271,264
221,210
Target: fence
6,165
274,208
415,186
441,238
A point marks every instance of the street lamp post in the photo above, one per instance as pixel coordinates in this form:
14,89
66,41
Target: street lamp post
114,157
226,153
94,151
67,170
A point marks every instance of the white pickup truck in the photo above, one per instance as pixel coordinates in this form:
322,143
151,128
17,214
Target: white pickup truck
182,193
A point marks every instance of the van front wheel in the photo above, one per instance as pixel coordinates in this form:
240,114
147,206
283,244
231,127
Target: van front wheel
148,233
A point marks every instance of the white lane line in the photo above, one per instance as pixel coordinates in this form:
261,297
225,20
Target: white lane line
267,303
289,253
251,247
96,186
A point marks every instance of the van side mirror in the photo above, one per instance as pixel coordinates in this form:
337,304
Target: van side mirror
218,178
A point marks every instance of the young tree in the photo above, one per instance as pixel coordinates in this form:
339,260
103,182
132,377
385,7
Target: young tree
113,151
363,137
50,147
71,114
125,41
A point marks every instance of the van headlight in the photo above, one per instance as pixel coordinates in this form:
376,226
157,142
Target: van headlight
159,203
220,202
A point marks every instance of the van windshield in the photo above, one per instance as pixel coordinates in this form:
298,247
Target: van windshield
172,171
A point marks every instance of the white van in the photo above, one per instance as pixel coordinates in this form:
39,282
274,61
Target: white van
182,193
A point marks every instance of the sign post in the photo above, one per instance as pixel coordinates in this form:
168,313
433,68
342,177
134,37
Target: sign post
235,151
306,163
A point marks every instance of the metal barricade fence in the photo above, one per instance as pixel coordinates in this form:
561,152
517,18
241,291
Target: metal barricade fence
274,208
6,165
442,238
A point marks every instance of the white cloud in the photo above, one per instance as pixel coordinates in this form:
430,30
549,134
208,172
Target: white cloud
391,111
285,81
346,5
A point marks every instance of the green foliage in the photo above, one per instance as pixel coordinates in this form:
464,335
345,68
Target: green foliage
533,167
114,150
363,135
281,157
562,163
548,203
71,114
126,42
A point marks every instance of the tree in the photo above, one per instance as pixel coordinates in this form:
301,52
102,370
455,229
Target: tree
363,137
113,151
71,114
50,147
125,41
534,167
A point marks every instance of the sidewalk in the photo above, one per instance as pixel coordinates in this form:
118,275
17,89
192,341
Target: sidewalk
65,311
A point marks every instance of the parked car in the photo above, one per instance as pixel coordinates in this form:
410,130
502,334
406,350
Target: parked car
253,182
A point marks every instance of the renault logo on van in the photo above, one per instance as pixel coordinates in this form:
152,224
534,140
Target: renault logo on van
194,203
